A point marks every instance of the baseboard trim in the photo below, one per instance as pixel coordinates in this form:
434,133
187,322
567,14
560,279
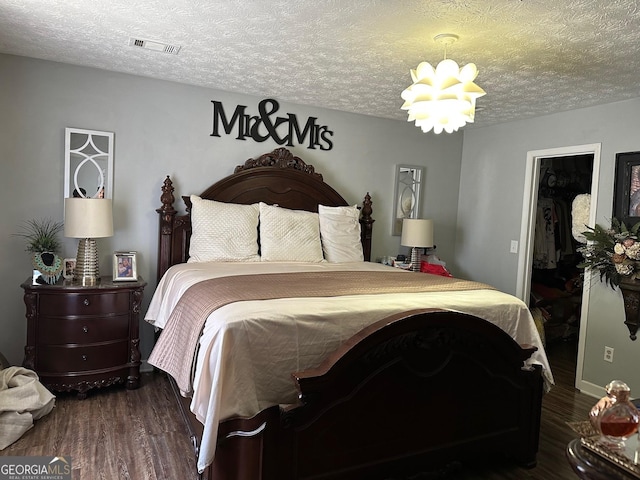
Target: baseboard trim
146,367
592,389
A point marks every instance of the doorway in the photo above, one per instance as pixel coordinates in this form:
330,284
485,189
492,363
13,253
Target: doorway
540,165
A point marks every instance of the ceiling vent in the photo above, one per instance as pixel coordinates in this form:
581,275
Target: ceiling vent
155,46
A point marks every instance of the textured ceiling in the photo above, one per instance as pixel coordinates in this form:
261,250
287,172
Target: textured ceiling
534,56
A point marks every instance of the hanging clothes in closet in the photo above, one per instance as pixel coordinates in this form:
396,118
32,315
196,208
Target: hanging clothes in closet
556,283
544,245
553,239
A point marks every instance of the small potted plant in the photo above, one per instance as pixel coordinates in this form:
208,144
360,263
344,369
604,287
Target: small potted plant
44,245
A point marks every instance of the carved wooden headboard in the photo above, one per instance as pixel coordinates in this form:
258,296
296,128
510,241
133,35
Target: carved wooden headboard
277,177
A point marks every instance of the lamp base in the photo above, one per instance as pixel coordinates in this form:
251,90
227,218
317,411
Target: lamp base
86,271
415,259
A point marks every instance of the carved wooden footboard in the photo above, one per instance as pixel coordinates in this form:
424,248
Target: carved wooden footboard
406,395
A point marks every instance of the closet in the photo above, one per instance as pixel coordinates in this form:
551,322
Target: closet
556,282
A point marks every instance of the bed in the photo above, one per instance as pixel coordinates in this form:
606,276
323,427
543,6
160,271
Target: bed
332,367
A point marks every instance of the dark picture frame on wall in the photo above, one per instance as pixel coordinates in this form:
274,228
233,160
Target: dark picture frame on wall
626,193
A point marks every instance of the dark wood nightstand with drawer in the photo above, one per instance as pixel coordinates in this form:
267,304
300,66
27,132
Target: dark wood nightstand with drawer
84,337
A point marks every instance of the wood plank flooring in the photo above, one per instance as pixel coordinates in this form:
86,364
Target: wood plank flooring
115,434
562,404
138,434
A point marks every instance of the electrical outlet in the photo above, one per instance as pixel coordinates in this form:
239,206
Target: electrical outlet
514,246
608,354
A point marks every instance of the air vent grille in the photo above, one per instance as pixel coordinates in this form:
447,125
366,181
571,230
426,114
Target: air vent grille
155,46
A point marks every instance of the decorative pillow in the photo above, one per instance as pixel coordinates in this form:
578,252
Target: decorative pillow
340,234
223,232
289,235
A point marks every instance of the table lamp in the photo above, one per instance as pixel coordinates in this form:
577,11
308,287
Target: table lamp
87,219
416,233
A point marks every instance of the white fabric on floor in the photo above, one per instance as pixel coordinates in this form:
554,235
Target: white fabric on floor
23,399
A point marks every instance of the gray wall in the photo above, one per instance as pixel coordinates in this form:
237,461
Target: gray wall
163,128
490,215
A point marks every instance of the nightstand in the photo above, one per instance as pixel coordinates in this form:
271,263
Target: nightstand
84,337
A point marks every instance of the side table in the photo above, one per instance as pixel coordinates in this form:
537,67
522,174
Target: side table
83,337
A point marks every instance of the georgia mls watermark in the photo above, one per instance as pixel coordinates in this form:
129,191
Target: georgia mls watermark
35,468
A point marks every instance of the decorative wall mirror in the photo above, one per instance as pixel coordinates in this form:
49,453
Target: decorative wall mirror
407,196
88,163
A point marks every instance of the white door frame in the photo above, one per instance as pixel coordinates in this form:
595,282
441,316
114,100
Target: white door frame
527,230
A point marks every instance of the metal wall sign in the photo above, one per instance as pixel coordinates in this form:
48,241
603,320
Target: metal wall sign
284,130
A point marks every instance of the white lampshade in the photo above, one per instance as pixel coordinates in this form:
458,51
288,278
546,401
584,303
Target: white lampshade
88,217
417,232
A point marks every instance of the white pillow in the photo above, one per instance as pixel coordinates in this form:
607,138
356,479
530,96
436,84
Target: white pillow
340,234
289,235
223,232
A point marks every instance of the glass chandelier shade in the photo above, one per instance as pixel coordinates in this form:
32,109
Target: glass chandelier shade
443,98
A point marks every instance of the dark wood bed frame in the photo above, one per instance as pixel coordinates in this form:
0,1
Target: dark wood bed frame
411,394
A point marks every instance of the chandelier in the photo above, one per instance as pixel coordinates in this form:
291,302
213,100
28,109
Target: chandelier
443,98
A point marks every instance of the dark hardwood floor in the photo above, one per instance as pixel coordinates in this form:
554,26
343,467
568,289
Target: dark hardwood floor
561,405
138,434
115,434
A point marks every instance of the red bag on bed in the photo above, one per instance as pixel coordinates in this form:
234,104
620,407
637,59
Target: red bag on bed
434,269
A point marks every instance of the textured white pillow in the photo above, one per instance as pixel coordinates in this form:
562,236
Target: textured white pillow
289,235
223,232
340,234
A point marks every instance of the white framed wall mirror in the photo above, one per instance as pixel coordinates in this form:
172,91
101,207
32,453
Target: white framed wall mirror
88,164
407,198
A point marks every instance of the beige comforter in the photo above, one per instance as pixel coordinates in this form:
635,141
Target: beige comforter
176,347
248,349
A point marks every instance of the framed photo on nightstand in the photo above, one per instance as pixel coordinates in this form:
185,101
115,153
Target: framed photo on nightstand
124,267
68,267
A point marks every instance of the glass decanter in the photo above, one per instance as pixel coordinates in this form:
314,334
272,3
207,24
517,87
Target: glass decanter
614,416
